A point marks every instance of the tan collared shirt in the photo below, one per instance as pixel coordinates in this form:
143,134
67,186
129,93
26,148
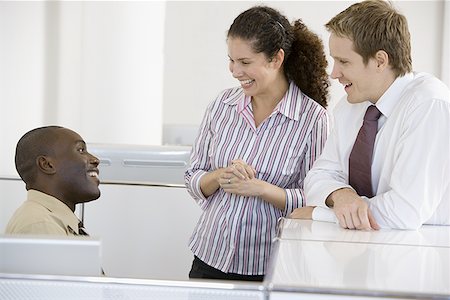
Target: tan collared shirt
43,214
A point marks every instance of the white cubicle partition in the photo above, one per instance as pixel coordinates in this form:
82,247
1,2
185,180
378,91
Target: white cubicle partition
144,216
34,254
141,164
13,194
55,288
75,288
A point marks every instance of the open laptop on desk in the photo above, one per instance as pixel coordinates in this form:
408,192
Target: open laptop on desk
29,254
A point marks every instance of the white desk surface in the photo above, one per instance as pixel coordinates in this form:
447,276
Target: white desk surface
386,270
427,235
323,257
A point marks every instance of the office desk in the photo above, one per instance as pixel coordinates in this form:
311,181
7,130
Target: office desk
323,258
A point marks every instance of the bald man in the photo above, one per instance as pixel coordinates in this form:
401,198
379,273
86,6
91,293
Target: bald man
59,173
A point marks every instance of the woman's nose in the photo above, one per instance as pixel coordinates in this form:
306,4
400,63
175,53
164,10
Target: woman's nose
235,70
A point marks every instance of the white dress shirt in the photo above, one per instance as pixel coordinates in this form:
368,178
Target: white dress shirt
411,160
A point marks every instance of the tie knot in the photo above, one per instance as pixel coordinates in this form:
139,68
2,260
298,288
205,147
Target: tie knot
81,229
372,113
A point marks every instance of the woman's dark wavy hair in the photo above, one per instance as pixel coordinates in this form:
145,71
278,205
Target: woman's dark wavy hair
305,63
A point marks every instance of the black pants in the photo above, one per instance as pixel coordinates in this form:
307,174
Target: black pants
202,270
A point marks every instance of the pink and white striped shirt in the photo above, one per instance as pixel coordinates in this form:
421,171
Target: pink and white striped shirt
234,233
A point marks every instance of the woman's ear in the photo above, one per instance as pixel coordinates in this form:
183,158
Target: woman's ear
45,164
278,59
382,59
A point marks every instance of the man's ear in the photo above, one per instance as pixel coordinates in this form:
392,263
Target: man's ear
278,59
382,59
45,164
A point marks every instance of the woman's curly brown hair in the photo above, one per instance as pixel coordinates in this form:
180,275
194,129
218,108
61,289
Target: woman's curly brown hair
269,31
307,64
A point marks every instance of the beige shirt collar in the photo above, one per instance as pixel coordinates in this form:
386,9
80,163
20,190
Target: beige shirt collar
57,207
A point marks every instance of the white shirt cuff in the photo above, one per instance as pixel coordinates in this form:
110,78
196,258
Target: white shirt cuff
324,214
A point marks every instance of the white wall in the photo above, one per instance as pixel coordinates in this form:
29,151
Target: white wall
200,70
94,67
21,72
445,54
116,71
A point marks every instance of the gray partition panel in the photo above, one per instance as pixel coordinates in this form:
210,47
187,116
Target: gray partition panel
141,164
57,288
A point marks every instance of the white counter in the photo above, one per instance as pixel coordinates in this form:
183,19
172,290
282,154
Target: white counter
427,235
324,258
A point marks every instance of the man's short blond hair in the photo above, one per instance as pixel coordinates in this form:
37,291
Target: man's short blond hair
375,25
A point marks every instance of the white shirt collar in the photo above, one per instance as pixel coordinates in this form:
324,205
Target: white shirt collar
389,99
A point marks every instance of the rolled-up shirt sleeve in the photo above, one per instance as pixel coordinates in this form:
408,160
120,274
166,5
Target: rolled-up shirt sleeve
200,161
294,199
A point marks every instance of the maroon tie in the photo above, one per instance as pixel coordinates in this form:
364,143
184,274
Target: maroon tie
360,160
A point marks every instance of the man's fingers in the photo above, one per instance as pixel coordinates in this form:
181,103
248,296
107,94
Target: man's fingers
372,221
352,211
345,220
364,218
349,220
341,221
356,220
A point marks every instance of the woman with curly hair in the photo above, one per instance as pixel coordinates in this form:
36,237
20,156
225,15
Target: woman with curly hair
256,143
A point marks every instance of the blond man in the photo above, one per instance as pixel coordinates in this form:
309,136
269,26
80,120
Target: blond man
409,157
